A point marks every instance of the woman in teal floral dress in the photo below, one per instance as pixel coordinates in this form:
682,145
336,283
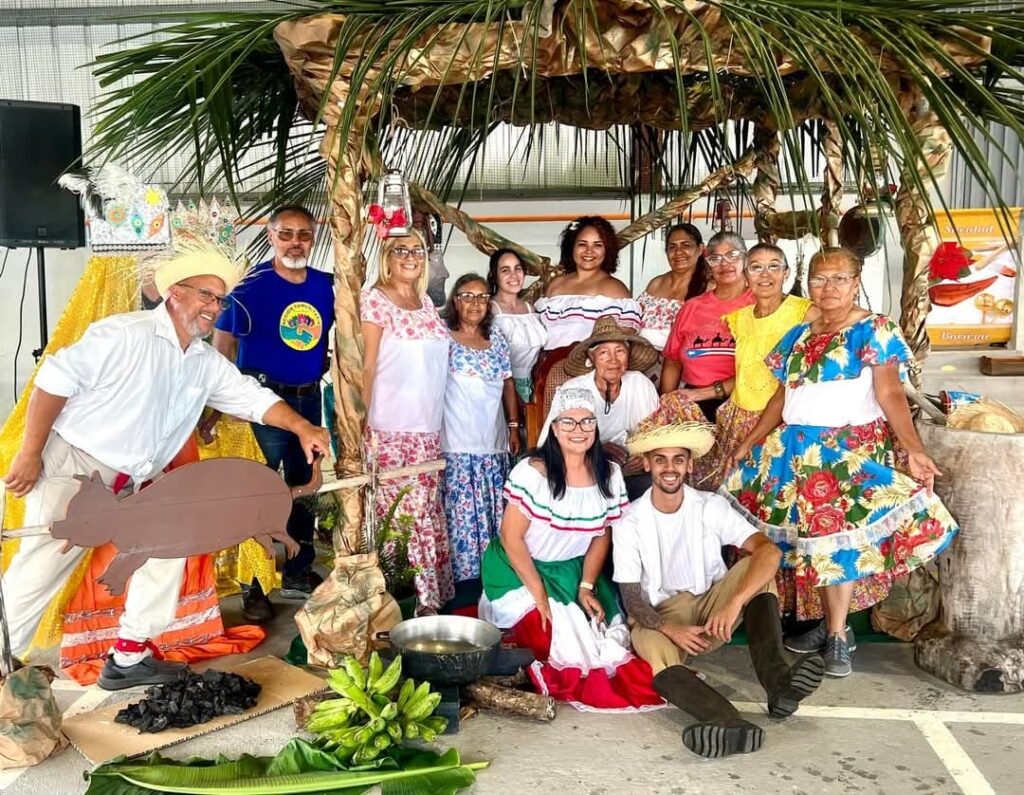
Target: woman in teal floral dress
818,474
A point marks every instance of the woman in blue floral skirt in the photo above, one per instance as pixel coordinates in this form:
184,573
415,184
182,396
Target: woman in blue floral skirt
475,437
819,475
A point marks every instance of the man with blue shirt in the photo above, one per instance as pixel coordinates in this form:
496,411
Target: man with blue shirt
277,330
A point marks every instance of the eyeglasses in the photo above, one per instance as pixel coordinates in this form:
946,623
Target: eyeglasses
568,424
402,252
479,298
729,256
772,267
287,235
839,280
208,297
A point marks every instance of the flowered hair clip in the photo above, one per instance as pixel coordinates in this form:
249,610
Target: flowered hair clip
574,225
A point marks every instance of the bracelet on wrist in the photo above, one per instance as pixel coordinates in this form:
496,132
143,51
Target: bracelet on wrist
586,586
719,389
513,424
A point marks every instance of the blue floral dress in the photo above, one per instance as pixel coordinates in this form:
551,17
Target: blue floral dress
474,441
824,485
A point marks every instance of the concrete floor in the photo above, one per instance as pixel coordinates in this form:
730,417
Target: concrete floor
888,728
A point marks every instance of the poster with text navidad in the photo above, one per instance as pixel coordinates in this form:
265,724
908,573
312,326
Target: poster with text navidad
971,280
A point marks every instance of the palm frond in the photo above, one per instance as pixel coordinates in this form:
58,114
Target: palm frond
215,86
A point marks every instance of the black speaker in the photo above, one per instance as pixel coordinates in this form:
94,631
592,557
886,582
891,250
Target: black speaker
39,141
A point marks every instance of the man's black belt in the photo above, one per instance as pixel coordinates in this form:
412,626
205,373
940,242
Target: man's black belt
284,390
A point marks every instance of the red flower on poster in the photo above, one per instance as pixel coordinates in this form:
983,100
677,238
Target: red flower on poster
950,261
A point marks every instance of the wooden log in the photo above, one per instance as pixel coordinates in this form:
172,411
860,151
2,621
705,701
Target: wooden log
978,644
512,702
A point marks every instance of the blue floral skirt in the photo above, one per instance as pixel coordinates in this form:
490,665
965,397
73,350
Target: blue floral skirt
473,506
834,502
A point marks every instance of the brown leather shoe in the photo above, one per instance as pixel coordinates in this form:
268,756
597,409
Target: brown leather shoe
256,607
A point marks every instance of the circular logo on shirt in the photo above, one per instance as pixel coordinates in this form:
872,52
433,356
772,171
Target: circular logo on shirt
301,326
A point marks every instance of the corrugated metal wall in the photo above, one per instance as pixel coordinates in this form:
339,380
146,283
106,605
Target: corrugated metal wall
965,190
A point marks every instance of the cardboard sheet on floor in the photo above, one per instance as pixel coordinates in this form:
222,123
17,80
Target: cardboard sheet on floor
99,739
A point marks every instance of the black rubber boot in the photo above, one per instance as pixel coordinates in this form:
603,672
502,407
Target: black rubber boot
719,731
786,684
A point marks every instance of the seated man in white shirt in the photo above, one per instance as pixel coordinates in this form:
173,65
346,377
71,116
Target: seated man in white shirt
122,401
682,601
610,363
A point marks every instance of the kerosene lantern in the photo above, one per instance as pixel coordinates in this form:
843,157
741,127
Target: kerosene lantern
393,198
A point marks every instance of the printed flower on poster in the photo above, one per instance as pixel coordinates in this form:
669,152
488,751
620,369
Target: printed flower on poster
950,261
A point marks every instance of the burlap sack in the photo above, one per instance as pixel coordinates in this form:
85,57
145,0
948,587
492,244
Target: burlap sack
913,603
345,613
30,720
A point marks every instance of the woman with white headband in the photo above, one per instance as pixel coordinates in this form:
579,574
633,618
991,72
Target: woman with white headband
542,576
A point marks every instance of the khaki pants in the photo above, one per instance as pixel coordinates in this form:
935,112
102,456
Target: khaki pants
686,609
39,569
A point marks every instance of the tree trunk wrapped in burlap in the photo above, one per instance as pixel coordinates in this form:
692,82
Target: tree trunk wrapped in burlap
978,643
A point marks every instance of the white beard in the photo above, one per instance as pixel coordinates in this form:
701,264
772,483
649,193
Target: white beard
295,263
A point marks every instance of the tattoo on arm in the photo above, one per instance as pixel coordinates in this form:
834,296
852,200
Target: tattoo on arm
639,607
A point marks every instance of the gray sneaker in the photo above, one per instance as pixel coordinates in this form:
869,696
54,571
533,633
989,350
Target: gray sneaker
837,657
813,642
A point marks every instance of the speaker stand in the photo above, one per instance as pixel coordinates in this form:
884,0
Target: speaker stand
44,334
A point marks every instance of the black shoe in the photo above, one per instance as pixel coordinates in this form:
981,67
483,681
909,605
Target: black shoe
713,739
719,730
300,586
256,607
148,671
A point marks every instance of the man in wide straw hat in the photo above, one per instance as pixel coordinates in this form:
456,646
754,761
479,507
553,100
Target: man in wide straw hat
610,364
681,599
122,401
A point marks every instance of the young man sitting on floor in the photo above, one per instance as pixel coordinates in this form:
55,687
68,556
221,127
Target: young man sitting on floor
682,601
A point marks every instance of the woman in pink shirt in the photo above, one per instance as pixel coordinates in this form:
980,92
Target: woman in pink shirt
700,354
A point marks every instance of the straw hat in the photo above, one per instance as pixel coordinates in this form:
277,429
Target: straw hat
677,422
199,258
567,399
986,416
697,437
641,353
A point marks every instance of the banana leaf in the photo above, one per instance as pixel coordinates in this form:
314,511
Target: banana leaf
299,767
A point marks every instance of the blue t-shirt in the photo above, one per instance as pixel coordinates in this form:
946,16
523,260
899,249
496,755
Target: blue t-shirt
282,328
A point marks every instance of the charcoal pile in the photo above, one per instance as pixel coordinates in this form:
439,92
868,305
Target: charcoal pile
195,699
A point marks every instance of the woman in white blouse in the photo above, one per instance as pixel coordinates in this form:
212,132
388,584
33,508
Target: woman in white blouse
515,318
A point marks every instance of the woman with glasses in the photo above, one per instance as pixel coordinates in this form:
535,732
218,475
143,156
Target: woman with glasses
542,575
477,434
757,329
819,473
701,354
405,366
687,277
516,319
589,255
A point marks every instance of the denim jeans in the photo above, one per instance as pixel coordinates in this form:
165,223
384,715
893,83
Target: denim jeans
282,449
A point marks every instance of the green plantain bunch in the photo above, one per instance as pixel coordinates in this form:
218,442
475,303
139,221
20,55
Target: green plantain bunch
370,717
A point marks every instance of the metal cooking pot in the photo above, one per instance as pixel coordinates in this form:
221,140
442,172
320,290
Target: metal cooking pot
445,650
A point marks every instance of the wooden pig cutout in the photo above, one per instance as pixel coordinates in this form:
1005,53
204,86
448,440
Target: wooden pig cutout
194,509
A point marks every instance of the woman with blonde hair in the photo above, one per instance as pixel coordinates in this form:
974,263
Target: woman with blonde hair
405,365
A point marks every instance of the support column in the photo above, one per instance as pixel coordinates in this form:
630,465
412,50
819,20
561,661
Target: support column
767,183
832,192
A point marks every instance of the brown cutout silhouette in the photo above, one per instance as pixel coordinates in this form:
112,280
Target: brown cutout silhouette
194,509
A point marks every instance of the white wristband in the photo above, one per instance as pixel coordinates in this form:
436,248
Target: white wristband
586,586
